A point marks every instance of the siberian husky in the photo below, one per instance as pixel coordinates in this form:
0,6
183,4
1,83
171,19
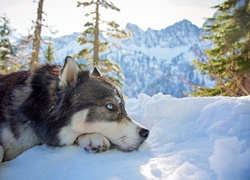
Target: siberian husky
64,106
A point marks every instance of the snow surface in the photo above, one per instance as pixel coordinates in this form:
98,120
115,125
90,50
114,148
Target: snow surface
191,138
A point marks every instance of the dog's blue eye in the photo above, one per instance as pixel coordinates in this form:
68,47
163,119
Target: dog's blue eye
110,106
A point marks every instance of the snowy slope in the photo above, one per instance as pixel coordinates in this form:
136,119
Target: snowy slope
191,138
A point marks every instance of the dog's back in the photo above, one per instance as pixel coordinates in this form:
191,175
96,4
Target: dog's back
18,102
8,83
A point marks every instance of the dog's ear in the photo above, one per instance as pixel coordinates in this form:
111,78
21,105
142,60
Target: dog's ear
96,72
69,72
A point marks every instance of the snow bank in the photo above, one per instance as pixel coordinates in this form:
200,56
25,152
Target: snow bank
191,138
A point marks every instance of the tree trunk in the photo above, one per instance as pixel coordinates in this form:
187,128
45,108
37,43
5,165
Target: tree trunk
37,36
96,36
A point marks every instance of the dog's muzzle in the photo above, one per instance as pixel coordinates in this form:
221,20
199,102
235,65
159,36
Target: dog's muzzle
144,133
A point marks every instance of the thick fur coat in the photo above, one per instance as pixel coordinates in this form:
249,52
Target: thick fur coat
64,106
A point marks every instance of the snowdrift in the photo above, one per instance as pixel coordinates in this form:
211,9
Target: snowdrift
191,138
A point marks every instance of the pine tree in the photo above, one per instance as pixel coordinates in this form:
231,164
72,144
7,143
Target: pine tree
7,49
37,36
24,50
228,60
49,51
91,38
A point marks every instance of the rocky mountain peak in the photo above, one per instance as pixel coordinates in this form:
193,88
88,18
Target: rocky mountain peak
152,61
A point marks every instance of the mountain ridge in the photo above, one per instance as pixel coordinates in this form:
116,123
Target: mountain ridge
152,61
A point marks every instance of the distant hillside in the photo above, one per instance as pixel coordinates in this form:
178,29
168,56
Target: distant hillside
152,61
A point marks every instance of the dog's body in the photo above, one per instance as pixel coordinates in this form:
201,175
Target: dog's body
57,109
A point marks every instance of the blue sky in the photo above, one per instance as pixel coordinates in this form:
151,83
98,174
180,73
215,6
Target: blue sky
67,18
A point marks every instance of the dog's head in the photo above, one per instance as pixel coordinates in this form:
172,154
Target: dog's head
97,105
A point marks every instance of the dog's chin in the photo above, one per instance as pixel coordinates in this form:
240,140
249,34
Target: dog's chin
127,147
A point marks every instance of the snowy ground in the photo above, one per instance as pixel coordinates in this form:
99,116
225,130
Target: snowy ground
191,138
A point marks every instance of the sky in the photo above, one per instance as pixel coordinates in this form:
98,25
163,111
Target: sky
66,18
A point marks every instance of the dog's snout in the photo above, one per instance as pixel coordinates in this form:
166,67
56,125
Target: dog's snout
144,133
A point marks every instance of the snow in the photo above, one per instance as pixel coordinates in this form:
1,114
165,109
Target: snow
191,138
4,49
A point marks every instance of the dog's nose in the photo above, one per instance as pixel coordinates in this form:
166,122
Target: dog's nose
144,133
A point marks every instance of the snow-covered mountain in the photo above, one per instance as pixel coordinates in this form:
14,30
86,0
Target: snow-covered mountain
152,61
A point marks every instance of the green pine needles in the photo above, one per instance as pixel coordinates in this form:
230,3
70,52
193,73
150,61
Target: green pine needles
228,59
94,45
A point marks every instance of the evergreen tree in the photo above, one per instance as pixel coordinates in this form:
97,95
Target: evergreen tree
49,51
37,36
228,60
24,50
92,41
7,49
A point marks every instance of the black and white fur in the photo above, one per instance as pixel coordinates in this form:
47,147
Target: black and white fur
61,107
